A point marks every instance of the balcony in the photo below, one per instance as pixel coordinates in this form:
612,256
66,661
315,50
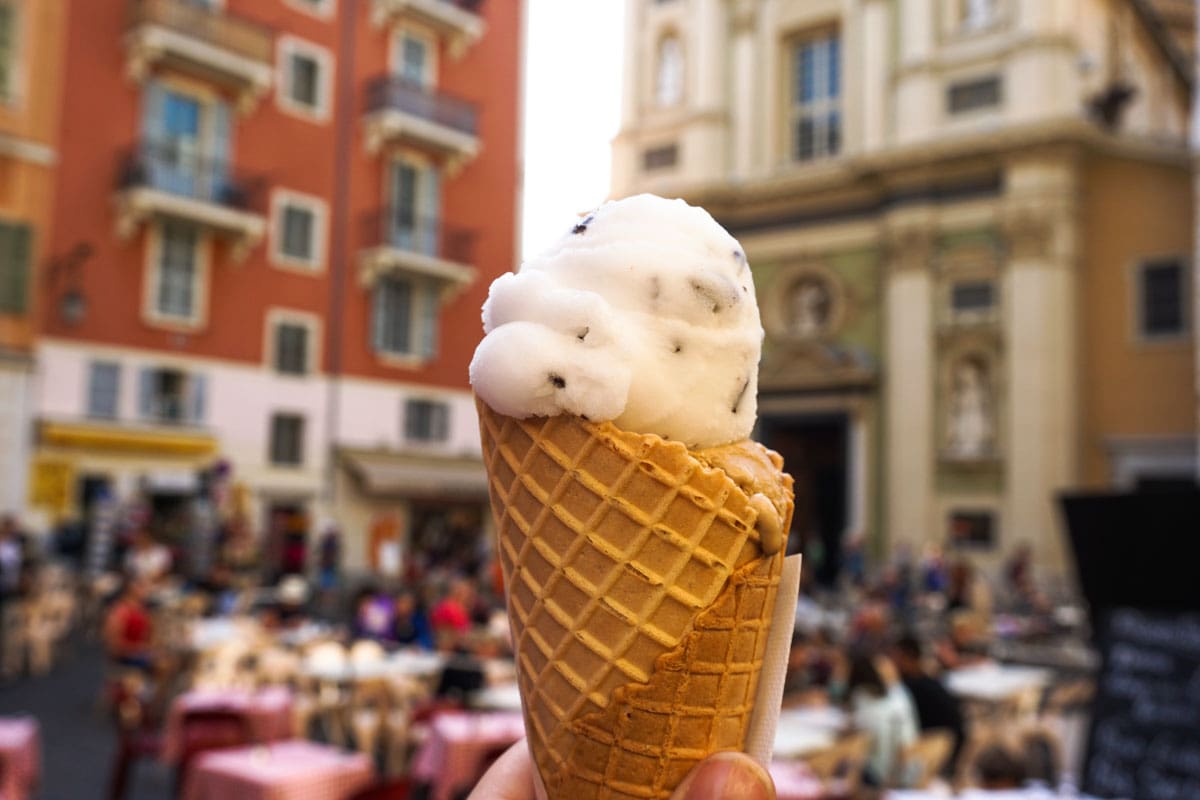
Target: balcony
210,44
171,179
402,111
458,21
425,247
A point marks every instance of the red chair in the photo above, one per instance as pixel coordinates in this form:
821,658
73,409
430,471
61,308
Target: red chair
138,734
398,789
202,730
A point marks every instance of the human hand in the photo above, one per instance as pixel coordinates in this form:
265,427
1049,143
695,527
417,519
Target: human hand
722,775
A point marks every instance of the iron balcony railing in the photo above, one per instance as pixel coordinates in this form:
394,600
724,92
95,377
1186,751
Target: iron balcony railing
428,236
217,27
392,93
179,169
473,6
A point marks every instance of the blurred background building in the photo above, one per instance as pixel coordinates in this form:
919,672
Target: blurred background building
971,228
270,221
31,39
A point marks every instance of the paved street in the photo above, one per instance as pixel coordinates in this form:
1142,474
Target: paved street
77,738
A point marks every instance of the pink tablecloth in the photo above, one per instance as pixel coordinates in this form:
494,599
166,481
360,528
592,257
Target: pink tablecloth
268,714
291,770
20,757
795,781
450,757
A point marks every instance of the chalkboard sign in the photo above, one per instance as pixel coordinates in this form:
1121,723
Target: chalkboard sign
1138,556
1145,736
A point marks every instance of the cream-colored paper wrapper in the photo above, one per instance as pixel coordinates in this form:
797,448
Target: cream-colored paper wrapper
760,738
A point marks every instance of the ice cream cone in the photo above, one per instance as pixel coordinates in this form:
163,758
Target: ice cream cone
639,595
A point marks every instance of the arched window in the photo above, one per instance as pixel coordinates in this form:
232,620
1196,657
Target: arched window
668,90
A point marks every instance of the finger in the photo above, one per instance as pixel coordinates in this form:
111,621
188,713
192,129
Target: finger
510,778
726,775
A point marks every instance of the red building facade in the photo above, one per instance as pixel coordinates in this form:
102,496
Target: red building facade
278,220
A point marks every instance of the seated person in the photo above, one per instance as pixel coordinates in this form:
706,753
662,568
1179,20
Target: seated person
966,645
410,626
881,707
936,707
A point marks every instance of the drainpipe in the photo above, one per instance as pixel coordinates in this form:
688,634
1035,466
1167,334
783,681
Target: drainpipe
339,237
1195,139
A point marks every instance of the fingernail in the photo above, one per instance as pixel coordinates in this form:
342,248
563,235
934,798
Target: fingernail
732,775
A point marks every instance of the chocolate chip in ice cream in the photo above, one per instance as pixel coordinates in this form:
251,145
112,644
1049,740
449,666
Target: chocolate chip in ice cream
582,227
558,380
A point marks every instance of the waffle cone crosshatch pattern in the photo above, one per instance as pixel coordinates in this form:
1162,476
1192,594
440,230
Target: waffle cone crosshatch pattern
639,596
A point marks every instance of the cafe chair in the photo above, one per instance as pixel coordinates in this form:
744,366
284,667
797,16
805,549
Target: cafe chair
922,761
369,702
325,693
202,730
138,733
840,767
395,789
366,651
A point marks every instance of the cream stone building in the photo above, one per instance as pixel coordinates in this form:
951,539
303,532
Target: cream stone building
970,228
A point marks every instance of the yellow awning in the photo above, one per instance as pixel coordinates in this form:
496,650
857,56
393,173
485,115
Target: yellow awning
127,440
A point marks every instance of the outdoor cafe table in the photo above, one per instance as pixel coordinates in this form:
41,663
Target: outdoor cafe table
506,697
291,770
804,731
20,757
996,683
268,714
795,781
403,663
451,756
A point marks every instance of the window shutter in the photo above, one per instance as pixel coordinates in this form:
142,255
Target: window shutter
378,315
153,113
7,51
15,246
221,169
198,387
431,204
146,379
427,301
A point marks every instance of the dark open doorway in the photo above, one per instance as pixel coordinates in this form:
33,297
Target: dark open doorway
814,450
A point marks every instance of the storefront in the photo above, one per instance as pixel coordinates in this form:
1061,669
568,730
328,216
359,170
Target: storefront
393,505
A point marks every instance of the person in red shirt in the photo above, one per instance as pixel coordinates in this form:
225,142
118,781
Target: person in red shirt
451,617
129,629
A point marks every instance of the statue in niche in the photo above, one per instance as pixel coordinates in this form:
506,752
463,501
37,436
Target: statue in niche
810,304
970,429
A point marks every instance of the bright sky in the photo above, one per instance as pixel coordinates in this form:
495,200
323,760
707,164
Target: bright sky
572,112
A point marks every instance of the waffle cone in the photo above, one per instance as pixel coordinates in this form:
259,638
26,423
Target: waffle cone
638,593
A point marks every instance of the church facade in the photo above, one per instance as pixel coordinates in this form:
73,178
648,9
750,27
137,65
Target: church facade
969,229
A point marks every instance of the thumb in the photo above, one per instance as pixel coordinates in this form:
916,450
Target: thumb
726,775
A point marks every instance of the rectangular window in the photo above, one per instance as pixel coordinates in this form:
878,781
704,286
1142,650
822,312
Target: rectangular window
8,51
426,420
287,440
304,72
1162,298
291,348
175,294
298,229
414,60
816,116
405,316
660,157
16,242
972,297
973,95
104,381
972,528
415,212
393,316
171,396
303,85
